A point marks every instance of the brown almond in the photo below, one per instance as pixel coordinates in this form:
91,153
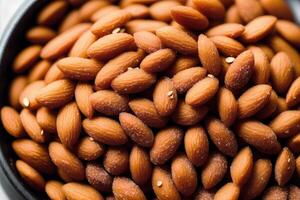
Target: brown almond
74,190
39,71
270,108
12,122
109,22
147,41
228,46
249,10
275,192
294,192
278,8
98,177
104,11
288,30
214,170
203,194
267,50
52,13
163,185
258,28
223,138
116,160
56,94
196,145
233,16
282,105
81,46
62,43
54,190
166,143
26,58
213,9
105,130
232,30
46,118
293,94
158,61
53,74
66,160
258,135
90,7
27,97
138,11
128,83
229,191
138,25
161,10
40,35
182,63
88,149
145,110
69,21
240,71
203,91
82,93
227,106
140,165
124,188
177,40
136,129
64,176
16,88
294,143
284,166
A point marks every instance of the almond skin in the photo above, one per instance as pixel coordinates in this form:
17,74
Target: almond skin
182,63
227,106
227,45
98,177
196,145
53,74
89,8
189,18
203,194
104,11
203,91
16,87
138,11
253,100
286,124
232,30
74,190
184,175
68,124
222,137
108,102
40,35
267,50
275,192
261,173
69,21
82,93
229,191
109,22
105,130
293,94
80,47
36,155
258,135
133,81
136,129
52,13
66,160
278,8
39,71
163,185
140,165
288,30
166,143
147,41
27,97
110,46
258,28
293,143
208,55
233,15
116,160
177,40
213,9
12,122
54,190
240,71
214,170
56,94
124,188
269,109
249,10
88,149
284,166
26,58
145,110
46,118
294,192
158,61
144,25
82,69
241,166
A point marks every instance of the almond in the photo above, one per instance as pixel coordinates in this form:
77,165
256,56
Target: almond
227,106
275,192
109,22
240,71
133,81
288,30
185,79
88,149
222,137
160,10
81,191
258,135
203,194
104,11
40,35
208,55
136,129
227,45
214,170
54,190
253,100
282,106
177,40
267,50
145,110
26,58
98,177
184,175
229,191
278,8
294,192
269,109
46,118
213,9
39,71
16,87
27,97
233,16
144,25
166,143
284,166
105,130
89,8
53,74
110,46
52,13
64,176
241,166
261,173
249,10
82,93
163,185
189,18
293,94
69,21
116,160
124,188
66,160
138,11
56,94
203,91
32,177
294,143
232,30
12,122
158,61
81,46
196,145
147,41
182,63
258,28
286,124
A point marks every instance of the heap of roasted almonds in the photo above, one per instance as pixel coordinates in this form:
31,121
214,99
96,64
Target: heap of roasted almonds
163,100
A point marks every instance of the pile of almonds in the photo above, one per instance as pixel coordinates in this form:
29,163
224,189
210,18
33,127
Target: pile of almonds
159,99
